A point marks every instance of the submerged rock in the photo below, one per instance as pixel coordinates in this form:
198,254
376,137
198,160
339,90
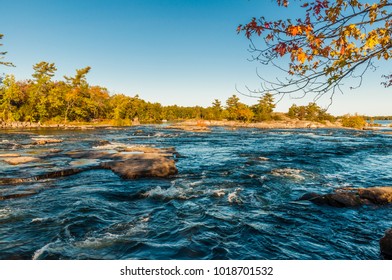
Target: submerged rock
352,197
18,195
49,175
386,245
99,143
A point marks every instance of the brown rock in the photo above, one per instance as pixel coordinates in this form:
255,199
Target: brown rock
142,165
19,160
143,149
191,128
18,195
377,195
49,175
334,199
9,155
352,197
386,245
44,141
145,162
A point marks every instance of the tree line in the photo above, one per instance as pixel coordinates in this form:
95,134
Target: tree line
42,99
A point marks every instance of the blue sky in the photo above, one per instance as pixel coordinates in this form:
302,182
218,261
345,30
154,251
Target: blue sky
183,52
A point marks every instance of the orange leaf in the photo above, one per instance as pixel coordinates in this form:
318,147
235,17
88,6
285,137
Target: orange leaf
301,56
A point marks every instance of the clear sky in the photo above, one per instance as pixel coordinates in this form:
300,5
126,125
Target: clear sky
184,52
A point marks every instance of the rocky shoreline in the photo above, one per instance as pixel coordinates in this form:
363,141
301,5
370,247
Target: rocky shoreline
33,125
189,125
198,125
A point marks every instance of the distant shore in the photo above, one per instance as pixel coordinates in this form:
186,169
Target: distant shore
190,125
28,125
273,124
186,124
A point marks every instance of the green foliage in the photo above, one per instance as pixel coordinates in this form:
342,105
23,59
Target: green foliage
355,121
238,111
264,108
311,112
11,98
215,112
73,100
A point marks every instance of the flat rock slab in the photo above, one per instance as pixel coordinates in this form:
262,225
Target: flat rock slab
190,128
352,197
44,141
142,165
19,160
9,155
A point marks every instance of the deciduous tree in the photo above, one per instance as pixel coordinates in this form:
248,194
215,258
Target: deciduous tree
11,98
332,41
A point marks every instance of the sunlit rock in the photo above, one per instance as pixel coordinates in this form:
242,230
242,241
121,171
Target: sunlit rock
44,141
19,160
351,197
9,155
140,165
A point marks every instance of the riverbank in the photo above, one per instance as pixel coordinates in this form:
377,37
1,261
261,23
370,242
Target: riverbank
75,125
204,126
192,125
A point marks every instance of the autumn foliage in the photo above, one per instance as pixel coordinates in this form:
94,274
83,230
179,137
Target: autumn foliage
333,40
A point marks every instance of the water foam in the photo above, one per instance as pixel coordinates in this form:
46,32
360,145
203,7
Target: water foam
5,213
38,220
111,146
233,197
289,173
50,247
122,232
170,193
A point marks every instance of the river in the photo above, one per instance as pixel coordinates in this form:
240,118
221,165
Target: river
235,196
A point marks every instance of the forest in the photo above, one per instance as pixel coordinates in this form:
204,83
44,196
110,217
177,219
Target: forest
44,100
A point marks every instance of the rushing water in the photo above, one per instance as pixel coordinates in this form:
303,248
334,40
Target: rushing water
235,197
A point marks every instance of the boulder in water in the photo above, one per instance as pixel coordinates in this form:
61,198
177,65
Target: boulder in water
386,245
99,143
352,197
142,165
44,141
